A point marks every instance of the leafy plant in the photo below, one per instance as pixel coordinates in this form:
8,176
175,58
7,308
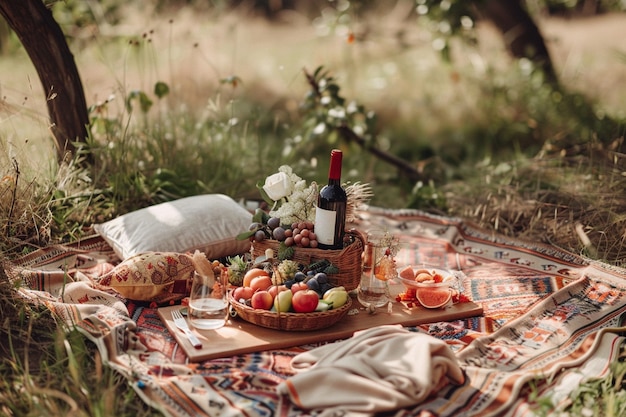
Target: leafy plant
47,369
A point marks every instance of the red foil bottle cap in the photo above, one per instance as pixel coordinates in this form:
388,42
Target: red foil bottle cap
334,172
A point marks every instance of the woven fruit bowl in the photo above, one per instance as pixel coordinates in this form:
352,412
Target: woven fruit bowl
290,321
347,260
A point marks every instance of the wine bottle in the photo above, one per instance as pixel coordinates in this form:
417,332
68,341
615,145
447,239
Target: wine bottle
330,213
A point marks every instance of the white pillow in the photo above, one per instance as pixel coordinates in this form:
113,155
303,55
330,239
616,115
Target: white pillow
209,223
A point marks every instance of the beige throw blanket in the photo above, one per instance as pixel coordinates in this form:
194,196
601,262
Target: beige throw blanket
379,369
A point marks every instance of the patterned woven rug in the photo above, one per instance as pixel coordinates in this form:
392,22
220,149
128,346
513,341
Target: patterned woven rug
550,318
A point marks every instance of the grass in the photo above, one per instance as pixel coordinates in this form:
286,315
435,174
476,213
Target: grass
571,201
51,370
492,143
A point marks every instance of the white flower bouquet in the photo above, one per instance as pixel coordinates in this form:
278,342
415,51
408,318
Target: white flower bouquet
292,200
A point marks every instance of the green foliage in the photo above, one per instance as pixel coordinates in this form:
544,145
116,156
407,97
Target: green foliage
48,369
76,14
427,197
161,89
327,112
175,154
447,20
285,252
604,396
144,102
456,19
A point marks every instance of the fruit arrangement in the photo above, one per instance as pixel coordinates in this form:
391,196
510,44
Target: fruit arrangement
282,292
285,295
299,234
297,242
430,287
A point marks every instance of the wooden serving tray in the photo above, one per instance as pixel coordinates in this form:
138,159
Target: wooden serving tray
239,336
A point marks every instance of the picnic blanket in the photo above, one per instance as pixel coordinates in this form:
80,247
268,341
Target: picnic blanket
551,319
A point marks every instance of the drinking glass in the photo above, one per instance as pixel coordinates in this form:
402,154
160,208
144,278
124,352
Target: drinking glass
378,261
208,303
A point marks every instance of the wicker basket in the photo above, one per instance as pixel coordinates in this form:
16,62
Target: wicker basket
290,321
347,260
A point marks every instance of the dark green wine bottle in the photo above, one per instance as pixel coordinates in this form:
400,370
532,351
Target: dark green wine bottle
330,213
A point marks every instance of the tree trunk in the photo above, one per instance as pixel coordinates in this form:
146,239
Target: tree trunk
47,48
521,35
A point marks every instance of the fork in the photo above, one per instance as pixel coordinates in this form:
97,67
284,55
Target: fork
181,323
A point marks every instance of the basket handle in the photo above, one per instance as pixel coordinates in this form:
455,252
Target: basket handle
358,235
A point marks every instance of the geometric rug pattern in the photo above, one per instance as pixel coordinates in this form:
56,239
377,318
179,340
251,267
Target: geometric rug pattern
550,319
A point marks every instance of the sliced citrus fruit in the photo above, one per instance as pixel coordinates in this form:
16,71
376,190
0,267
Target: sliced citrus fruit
433,297
407,273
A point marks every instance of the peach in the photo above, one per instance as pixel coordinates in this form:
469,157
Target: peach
262,300
262,282
275,289
299,286
253,273
242,292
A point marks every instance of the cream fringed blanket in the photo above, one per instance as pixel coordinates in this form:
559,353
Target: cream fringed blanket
380,369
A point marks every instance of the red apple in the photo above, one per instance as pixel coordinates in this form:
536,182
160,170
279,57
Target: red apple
262,300
304,301
262,282
275,289
299,286
242,292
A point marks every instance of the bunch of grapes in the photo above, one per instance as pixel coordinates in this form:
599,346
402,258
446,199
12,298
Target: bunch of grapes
265,231
300,234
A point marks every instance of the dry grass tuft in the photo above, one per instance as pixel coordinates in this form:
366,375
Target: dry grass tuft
573,199
47,369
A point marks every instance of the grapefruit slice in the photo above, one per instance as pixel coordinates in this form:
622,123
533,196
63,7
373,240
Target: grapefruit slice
407,273
433,297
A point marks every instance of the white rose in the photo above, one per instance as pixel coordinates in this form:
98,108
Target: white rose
277,186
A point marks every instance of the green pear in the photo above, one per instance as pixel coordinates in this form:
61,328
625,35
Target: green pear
336,296
323,305
282,302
